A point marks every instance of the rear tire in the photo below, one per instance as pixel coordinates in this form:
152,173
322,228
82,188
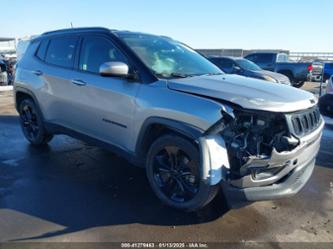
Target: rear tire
32,123
174,173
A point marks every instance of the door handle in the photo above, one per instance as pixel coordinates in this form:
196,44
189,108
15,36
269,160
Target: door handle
79,82
38,72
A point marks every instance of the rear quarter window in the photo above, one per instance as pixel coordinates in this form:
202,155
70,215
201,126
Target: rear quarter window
41,52
61,51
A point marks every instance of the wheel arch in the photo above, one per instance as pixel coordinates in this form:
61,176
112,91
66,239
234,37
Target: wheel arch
21,94
155,127
288,73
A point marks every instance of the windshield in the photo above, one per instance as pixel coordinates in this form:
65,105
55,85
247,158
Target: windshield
167,58
248,65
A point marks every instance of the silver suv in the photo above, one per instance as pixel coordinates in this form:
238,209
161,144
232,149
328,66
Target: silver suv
163,106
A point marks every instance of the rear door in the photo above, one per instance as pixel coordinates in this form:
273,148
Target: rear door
103,107
56,73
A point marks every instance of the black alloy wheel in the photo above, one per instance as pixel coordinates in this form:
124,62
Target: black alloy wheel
32,123
176,174
173,168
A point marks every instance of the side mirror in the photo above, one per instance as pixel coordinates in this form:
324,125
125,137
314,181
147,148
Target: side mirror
114,68
237,69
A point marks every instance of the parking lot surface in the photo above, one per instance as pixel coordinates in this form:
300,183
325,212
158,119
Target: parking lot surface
74,192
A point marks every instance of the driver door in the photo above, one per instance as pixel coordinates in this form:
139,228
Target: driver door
104,106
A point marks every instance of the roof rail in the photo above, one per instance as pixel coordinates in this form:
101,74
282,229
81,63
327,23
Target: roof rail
70,30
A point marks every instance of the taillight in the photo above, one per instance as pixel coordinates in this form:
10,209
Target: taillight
310,67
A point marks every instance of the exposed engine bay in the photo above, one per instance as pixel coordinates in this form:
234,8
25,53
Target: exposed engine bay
251,138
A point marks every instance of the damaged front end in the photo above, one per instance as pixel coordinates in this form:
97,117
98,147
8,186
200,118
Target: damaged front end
249,149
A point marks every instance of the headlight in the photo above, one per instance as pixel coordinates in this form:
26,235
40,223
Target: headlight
269,78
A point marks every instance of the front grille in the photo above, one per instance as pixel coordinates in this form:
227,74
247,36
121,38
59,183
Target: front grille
304,122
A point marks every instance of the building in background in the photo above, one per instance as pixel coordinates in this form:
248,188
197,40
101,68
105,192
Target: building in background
236,52
7,47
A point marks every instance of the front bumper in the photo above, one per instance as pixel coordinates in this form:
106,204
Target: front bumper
286,187
295,169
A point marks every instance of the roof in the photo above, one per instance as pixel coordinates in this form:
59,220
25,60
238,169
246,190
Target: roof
98,29
74,30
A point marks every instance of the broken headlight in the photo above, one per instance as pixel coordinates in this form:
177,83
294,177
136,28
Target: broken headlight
251,136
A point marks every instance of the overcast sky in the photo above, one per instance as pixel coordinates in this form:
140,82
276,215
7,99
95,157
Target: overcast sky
297,25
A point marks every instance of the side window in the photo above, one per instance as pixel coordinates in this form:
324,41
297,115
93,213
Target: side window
215,61
282,58
61,51
226,65
96,51
42,49
252,57
264,58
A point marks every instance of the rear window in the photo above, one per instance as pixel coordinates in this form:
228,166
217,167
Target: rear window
61,51
260,58
264,58
42,49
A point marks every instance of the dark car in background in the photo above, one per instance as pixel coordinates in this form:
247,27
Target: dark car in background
326,101
328,70
279,62
244,67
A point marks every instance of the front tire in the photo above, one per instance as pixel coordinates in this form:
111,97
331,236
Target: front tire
298,84
32,123
174,173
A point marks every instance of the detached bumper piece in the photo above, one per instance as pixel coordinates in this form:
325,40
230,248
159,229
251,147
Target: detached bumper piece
286,187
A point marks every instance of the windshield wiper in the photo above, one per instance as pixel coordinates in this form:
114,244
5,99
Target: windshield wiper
174,75
211,74
181,75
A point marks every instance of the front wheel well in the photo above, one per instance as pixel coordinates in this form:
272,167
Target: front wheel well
20,96
155,131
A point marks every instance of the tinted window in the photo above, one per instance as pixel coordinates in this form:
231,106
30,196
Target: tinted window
214,60
247,65
226,64
96,51
263,58
61,51
42,49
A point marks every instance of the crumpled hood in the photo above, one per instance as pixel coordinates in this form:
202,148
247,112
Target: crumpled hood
246,92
